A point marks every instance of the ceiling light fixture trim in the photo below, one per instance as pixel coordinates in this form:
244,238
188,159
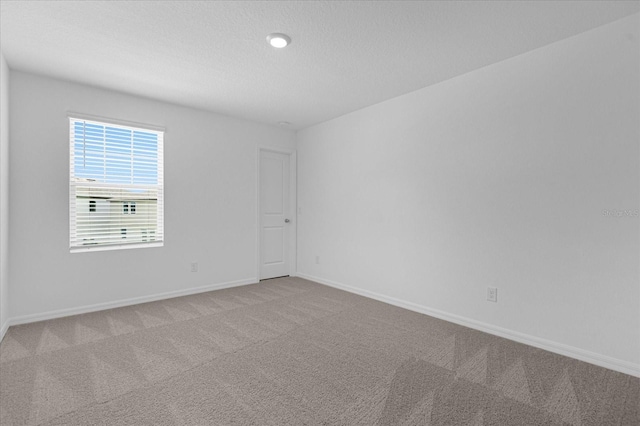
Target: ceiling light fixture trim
278,40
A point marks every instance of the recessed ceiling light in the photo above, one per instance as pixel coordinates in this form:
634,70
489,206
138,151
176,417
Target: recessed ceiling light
284,123
278,40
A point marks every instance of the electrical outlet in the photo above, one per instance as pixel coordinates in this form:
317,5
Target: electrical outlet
492,294
317,260
194,266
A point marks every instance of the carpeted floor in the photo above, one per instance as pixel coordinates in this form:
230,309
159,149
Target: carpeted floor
292,352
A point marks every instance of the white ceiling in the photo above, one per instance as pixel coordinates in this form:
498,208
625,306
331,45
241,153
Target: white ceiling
343,56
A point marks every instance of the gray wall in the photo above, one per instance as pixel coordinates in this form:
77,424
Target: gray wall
4,195
210,200
499,177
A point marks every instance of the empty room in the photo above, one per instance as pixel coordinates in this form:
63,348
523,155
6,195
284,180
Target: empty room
320,213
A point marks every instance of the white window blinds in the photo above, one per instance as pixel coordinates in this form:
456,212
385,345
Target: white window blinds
116,186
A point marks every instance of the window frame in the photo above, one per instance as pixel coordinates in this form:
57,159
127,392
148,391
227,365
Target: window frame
73,184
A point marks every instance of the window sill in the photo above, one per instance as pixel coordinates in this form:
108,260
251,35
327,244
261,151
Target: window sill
116,247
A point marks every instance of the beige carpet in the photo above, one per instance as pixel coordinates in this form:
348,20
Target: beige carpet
292,352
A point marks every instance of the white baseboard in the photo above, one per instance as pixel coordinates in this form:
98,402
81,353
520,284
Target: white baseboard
551,346
3,329
24,319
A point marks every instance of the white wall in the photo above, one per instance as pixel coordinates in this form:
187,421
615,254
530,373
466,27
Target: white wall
4,195
210,200
497,178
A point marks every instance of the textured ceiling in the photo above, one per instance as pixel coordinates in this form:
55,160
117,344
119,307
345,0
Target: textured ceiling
344,55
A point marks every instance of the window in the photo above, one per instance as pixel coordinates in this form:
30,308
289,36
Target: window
122,168
129,208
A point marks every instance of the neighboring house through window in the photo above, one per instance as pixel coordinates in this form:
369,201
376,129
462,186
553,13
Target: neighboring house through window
116,176
129,207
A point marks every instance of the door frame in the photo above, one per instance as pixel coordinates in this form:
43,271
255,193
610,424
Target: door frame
293,227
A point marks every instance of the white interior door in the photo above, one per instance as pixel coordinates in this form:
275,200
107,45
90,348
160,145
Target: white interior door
275,220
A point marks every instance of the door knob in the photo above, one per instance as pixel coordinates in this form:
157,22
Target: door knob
287,221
